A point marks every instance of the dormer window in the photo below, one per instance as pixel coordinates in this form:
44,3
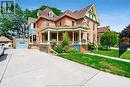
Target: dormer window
50,14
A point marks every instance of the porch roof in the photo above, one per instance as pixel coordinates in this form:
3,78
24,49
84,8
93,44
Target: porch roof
82,27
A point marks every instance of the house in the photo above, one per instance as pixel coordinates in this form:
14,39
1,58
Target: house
32,31
81,26
5,41
102,30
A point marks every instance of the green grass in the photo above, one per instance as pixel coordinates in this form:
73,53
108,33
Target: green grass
126,55
110,52
101,63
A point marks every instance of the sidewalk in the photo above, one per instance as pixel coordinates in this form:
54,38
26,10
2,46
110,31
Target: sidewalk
115,58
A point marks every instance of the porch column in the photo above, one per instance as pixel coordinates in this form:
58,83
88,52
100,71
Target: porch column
57,37
42,35
80,37
48,42
32,38
73,37
86,37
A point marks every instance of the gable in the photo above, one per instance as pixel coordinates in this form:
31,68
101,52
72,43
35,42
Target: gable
92,14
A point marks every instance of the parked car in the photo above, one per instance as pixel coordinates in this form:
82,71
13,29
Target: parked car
1,49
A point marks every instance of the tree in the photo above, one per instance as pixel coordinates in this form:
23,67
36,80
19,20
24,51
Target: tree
13,24
109,39
65,41
6,27
27,13
19,25
126,32
33,13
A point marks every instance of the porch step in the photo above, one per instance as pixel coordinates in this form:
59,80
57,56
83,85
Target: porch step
34,47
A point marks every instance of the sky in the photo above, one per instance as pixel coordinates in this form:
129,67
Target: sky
113,13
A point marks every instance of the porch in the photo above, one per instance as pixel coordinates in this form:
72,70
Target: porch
77,37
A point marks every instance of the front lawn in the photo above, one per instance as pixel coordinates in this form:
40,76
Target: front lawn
110,52
101,63
126,55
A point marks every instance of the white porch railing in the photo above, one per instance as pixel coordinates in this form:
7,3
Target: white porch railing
70,42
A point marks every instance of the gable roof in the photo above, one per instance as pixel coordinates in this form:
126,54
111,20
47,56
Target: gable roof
78,14
103,29
4,39
82,12
45,12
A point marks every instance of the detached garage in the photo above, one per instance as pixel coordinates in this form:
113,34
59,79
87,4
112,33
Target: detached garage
5,41
21,43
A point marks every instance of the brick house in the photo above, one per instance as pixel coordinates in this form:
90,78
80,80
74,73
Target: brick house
81,26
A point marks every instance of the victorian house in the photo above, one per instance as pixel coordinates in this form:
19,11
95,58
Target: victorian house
81,26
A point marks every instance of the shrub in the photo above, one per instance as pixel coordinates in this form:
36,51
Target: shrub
59,49
65,41
91,46
102,47
53,43
70,50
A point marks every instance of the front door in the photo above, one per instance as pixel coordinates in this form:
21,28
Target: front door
34,39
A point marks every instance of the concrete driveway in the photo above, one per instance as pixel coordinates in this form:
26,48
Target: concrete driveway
32,68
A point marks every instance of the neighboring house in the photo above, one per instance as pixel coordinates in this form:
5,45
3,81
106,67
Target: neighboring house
32,31
81,26
100,31
5,41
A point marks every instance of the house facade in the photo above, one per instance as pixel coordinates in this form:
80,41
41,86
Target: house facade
81,26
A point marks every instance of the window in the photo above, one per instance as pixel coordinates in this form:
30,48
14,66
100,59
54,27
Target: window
50,14
73,23
34,25
94,37
93,26
30,38
94,17
88,22
60,23
47,23
34,38
87,36
42,37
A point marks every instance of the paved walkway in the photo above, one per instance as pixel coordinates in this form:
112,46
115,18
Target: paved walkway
32,68
115,58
